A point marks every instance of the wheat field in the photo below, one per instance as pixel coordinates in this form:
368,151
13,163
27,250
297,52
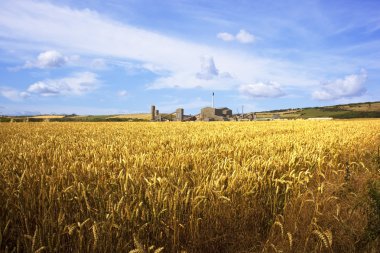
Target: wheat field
145,116
293,186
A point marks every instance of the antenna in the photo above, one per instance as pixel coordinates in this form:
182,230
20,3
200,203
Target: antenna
213,106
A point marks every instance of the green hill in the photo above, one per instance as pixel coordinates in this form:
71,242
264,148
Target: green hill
346,111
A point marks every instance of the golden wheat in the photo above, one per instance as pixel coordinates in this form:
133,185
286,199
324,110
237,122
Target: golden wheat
191,187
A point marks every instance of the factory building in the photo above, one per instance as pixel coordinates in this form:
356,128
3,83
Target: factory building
155,114
210,113
207,114
179,116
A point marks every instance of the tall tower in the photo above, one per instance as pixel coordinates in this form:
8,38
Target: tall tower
213,105
153,112
179,114
158,116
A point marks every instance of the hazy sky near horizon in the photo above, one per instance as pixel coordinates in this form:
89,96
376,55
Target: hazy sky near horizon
121,56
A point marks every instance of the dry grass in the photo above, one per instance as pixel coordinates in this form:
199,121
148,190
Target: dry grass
367,107
47,117
189,187
284,114
146,116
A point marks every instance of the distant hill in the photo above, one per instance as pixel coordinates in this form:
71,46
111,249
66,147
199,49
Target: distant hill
77,118
345,111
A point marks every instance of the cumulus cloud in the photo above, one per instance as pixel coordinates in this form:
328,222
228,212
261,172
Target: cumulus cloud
225,36
209,77
188,80
47,59
76,84
347,87
242,36
13,94
261,89
208,69
245,37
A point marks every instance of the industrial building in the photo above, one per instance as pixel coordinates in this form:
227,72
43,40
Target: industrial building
155,114
207,114
178,115
210,114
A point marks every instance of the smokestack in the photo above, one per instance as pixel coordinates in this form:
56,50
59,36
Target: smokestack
213,106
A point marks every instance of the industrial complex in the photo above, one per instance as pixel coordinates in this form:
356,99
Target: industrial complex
206,114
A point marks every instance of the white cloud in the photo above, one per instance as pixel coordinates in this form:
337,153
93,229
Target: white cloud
225,36
208,69
152,68
76,84
47,59
242,36
348,87
209,78
33,25
187,80
99,64
122,93
245,37
260,89
12,94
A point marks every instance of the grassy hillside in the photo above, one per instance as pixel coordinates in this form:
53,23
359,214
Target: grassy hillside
348,111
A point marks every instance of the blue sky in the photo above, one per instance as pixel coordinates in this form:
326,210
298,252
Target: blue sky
121,56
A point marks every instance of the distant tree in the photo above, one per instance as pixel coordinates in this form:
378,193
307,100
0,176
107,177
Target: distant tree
70,115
